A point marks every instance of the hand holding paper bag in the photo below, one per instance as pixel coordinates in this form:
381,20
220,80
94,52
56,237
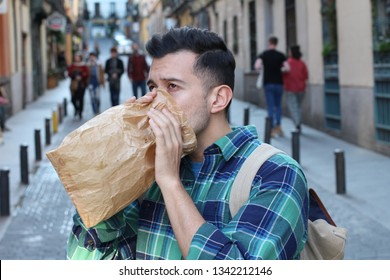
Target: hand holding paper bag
108,162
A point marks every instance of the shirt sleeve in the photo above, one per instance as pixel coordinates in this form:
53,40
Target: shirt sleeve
114,238
272,224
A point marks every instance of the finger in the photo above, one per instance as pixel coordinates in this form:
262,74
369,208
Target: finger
147,98
157,130
172,128
130,100
165,128
175,128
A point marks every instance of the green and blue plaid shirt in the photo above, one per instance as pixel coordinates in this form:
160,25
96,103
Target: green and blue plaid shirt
271,225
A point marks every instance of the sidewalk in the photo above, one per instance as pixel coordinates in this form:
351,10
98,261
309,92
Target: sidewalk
45,214
23,125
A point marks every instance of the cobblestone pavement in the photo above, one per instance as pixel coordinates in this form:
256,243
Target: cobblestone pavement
47,211
43,218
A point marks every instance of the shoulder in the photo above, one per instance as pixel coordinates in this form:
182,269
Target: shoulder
282,55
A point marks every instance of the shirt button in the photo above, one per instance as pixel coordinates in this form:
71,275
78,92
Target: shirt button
90,242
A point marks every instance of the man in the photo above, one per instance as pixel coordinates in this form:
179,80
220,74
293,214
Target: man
137,70
96,79
114,69
274,64
185,213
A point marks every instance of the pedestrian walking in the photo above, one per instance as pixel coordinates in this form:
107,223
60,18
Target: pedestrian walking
137,70
79,73
96,49
114,69
185,213
273,62
295,84
95,82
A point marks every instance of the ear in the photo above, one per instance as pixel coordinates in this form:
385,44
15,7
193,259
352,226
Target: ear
220,98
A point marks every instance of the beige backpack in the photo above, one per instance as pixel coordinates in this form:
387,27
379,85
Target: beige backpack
325,240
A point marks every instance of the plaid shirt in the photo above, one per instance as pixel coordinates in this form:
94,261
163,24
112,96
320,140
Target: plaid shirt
271,225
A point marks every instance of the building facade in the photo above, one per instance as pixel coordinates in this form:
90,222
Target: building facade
345,44
15,53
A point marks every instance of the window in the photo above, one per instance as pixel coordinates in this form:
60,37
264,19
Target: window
235,34
225,34
252,32
291,25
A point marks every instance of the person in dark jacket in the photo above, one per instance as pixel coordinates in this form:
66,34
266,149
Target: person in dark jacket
114,69
273,63
137,70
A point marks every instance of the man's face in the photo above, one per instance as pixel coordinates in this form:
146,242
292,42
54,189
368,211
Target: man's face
174,73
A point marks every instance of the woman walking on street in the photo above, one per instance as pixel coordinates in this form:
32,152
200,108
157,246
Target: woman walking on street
295,84
79,73
96,79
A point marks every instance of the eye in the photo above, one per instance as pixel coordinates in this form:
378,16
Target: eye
151,87
172,86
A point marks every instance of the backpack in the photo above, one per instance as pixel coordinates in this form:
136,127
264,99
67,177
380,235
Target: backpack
325,240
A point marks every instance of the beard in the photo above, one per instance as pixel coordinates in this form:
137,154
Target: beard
198,117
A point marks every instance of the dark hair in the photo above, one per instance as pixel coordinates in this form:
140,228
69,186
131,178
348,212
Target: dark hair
215,64
296,52
92,53
273,40
113,49
79,54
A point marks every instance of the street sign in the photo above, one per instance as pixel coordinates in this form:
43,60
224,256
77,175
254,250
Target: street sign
56,22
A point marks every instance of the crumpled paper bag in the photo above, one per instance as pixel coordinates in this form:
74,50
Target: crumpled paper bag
108,162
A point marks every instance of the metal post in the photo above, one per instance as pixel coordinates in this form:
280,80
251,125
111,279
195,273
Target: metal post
295,145
340,171
38,147
54,121
267,131
4,192
59,113
65,107
246,116
24,164
47,131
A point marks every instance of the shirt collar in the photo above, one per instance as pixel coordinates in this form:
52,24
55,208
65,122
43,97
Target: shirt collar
229,144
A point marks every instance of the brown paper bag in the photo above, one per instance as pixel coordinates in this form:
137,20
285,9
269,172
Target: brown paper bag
108,162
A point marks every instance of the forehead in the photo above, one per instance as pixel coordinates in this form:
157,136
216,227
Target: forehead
180,63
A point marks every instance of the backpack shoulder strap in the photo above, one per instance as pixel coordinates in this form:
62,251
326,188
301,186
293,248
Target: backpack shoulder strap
242,184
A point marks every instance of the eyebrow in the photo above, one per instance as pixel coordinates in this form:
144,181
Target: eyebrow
150,81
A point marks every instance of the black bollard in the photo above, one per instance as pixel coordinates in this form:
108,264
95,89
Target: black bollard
267,131
340,172
60,113
65,107
24,164
295,145
4,192
47,131
38,147
246,116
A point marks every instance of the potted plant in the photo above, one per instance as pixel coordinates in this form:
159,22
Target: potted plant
52,78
